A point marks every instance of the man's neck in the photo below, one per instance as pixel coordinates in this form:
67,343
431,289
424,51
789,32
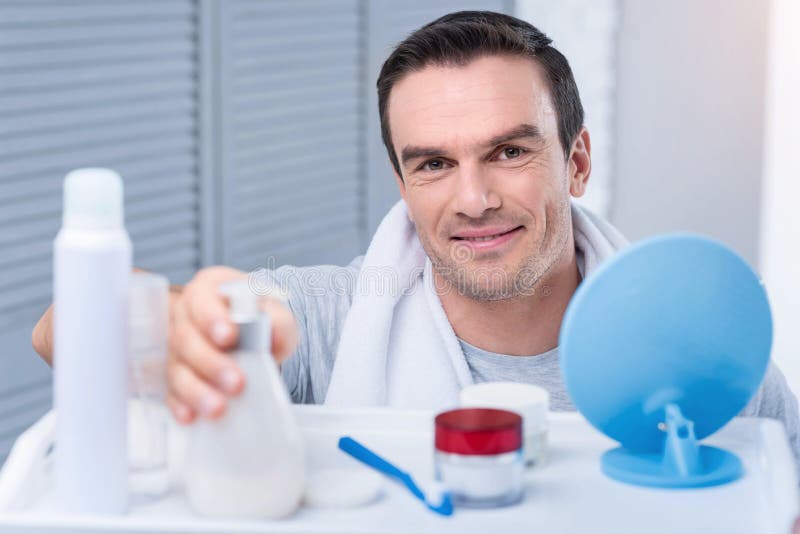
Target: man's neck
520,326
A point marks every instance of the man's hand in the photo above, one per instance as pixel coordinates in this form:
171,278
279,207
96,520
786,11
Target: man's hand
200,375
42,336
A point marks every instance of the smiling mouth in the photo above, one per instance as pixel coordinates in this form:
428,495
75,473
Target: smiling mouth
486,237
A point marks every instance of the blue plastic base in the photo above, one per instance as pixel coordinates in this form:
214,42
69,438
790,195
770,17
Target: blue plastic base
715,467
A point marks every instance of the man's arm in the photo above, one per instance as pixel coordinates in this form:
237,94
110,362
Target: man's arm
200,375
320,298
775,400
42,334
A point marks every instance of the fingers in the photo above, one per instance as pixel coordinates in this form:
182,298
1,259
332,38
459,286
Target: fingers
198,373
284,329
207,308
207,361
191,391
182,413
201,376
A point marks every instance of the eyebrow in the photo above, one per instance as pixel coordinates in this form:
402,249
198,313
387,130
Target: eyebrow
521,131
411,152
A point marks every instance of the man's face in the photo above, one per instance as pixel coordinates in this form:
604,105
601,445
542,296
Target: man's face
483,174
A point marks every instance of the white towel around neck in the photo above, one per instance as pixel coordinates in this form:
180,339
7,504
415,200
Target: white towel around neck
397,347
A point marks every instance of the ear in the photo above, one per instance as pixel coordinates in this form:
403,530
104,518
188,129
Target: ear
580,163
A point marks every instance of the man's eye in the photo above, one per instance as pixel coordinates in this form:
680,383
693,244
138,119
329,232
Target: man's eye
433,165
510,152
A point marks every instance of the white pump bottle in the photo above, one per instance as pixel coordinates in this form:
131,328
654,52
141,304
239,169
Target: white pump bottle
251,462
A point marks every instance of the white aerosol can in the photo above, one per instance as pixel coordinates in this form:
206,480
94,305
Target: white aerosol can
91,276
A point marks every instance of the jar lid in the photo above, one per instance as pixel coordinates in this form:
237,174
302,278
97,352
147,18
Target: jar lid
478,431
530,401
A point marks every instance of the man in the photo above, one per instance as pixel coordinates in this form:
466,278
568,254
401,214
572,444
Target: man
483,125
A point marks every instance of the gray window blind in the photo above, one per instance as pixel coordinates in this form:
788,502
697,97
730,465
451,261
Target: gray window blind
292,132
258,114
88,83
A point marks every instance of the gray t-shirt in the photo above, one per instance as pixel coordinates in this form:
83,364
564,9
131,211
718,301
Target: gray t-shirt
320,297
541,370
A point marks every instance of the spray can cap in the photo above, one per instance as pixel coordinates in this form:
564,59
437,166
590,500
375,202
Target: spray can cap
93,199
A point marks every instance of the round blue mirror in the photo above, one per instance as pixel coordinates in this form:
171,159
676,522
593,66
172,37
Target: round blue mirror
661,347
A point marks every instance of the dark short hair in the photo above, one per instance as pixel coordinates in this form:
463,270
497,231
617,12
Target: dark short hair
458,38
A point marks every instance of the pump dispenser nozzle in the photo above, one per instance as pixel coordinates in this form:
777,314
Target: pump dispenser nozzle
243,301
254,324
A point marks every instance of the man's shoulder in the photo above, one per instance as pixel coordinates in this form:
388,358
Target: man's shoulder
315,285
774,398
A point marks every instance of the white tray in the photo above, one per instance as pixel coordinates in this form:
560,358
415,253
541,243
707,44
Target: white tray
567,494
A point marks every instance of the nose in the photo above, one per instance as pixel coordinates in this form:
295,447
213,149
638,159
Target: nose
474,193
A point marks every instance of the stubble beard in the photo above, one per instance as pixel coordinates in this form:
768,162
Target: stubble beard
491,281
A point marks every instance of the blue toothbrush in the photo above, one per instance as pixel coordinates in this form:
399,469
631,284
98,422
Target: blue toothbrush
443,505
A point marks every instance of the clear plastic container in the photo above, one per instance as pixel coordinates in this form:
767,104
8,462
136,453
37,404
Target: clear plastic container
147,414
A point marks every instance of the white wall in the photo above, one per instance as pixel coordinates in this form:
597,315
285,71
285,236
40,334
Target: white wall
780,229
707,136
585,32
690,99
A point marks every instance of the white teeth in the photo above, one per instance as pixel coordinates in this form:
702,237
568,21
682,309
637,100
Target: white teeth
484,238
